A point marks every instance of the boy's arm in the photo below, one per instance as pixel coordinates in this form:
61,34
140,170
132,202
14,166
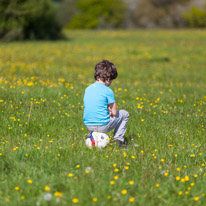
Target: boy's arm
112,109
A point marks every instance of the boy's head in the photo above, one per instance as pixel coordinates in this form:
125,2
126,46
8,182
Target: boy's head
105,71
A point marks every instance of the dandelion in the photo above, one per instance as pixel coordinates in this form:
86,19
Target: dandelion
124,192
187,178
29,181
157,185
17,188
94,199
116,177
131,182
177,178
112,182
166,174
196,175
182,180
58,194
180,193
116,170
131,199
75,200
196,198
78,166
47,188
70,175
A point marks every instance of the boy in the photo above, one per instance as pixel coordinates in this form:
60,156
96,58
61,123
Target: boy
100,110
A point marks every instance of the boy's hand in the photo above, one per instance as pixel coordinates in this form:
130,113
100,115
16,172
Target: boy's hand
112,109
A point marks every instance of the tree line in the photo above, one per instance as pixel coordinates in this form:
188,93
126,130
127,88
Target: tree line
45,19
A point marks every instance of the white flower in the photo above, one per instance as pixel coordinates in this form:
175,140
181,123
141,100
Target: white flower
89,169
47,196
176,131
163,172
57,200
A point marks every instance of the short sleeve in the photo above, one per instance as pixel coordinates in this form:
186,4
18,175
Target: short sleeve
110,96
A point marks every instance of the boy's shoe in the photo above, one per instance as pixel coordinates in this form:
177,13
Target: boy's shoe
120,143
89,136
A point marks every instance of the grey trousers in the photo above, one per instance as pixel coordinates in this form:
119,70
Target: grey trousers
118,123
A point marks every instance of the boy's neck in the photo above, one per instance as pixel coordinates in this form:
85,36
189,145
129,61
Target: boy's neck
106,83
100,81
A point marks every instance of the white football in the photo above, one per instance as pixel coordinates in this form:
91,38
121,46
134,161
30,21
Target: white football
97,139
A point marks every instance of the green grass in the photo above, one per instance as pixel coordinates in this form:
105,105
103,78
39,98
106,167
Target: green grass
162,85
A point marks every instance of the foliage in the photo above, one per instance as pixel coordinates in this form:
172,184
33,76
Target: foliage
26,19
159,13
161,83
65,11
196,17
98,14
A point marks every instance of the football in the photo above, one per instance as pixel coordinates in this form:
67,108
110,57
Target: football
97,139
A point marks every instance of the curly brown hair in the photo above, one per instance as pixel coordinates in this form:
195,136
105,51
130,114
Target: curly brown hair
105,70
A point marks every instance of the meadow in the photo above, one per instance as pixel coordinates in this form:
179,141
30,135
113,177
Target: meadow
161,83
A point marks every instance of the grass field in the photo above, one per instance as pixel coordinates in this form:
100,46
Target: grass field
161,83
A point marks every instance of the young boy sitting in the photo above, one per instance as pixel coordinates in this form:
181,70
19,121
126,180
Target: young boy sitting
100,110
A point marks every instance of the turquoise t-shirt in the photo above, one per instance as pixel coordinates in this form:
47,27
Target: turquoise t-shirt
97,96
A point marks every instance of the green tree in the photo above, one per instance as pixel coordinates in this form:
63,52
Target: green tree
196,17
28,19
98,14
159,13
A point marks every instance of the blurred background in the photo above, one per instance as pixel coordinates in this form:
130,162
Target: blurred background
48,19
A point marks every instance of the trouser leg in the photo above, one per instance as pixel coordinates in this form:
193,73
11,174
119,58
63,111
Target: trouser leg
121,125
118,123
